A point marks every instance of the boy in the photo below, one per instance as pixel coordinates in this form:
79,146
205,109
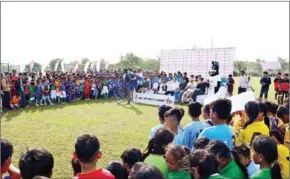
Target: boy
87,150
192,130
14,102
283,114
277,84
265,82
36,162
6,166
219,113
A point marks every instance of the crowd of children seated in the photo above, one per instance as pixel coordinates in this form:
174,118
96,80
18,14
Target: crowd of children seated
217,144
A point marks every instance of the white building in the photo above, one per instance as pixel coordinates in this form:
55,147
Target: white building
198,61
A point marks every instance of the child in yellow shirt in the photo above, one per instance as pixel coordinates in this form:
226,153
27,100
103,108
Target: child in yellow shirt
283,114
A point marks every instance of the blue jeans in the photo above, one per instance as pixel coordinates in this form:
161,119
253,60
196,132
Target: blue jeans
178,94
264,91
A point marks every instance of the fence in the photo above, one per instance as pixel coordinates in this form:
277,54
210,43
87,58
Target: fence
6,67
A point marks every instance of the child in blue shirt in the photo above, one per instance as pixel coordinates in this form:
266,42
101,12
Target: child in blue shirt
220,111
193,129
38,93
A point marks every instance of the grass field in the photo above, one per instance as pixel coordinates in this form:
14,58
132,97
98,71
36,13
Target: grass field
55,128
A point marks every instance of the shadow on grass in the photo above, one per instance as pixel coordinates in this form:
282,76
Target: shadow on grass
132,107
9,115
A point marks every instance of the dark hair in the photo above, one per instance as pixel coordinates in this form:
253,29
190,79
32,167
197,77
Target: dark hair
265,72
268,148
194,109
156,144
255,134
87,147
206,109
222,107
201,143
230,76
178,113
282,111
36,162
162,110
279,73
144,171
277,135
118,170
263,109
180,154
6,150
252,111
206,163
271,107
76,166
131,156
40,177
241,149
220,150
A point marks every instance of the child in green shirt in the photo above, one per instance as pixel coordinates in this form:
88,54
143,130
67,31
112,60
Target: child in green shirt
265,153
177,161
228,167
32,89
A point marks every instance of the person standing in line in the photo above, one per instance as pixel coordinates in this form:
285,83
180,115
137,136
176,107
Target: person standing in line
243,83
231,83
265,82
6,96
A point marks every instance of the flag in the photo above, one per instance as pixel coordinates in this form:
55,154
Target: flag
62,66
76,67
56,65
86,66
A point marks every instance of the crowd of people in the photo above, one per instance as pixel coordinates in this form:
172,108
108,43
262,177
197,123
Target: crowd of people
217,144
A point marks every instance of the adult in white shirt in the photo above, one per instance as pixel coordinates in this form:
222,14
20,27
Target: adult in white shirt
243,83
188,91
172,86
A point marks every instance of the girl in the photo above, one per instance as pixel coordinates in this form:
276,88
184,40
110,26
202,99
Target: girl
177,162
283,153
118,170
155,151
144,171
265,154
87,88
38,93
53,91
32,90
131,156
228,167
172,121
204,165
82,87
243,153
272,121
252,125
57,89
283,114
93,88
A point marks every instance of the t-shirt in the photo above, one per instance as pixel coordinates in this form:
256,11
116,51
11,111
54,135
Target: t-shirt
221,132
232,170
264,173
98,174
286,137
252,168
245,135
283,154
178,137
179,175
159,162
191,132
154,129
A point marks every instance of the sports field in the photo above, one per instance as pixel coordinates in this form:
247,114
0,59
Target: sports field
55,128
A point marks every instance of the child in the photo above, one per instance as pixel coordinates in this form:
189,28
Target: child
172,122
155,150
36,162
204,165
161,111
68,90
26,92
243,153
105,90
131,156
57,89
6,159
177,161
283,153
201,143
118,170
38,93
93,88
14,102
252,125
193,129
32,89
144,171
53,92
220,111
265,154
63,92
45,93
283,114
76,165
87,88
87,150
82,87
228,167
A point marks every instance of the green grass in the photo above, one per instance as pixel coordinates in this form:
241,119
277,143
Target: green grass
55,128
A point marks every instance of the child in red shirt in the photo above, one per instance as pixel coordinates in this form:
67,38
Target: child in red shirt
87,85
87,150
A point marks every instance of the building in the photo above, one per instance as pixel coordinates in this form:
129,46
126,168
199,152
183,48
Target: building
198,61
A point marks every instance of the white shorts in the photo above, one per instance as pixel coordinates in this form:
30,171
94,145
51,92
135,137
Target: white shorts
53,94
105,90
63,94
58,94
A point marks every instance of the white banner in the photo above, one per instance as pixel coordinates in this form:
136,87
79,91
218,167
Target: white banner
86,66
56,65
62,66
153,99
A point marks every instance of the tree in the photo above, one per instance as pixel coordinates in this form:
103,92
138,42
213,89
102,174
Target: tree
83,62
102,64
284,64
36,67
